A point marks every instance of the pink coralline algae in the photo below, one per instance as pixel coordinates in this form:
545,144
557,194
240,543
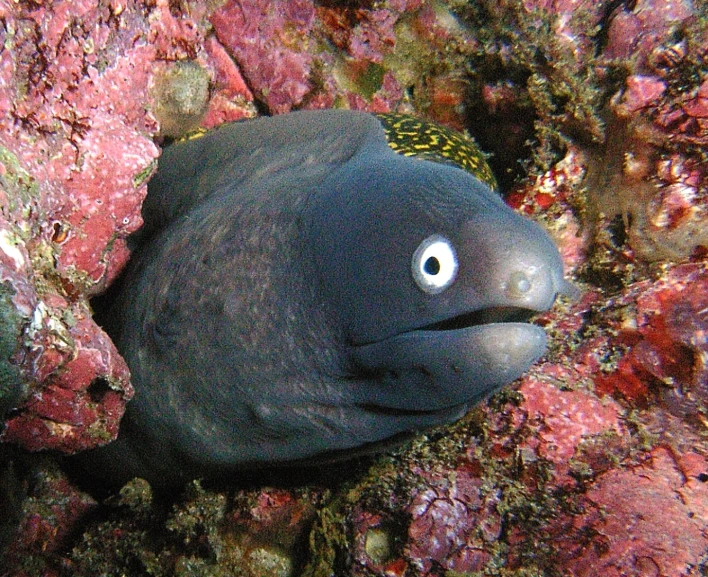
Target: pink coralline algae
75,156
269,42
570,474
562,419
648,520
635,510
230,93
83,397
453,523
306,54
656,130
667,346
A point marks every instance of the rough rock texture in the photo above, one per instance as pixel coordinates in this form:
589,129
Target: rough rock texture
595,462
657,129
79,82
74,160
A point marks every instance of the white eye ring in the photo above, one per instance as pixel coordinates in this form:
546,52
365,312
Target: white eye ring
434,264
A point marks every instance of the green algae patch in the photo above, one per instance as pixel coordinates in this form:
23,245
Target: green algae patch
328,540
203,533
20,187
180,97
123,542
559,90
11,327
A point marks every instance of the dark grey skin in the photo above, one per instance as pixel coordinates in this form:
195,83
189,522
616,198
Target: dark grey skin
274,312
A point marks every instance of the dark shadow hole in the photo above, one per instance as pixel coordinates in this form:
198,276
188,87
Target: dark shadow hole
98,388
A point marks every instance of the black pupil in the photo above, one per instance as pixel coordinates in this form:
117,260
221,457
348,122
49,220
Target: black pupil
432,266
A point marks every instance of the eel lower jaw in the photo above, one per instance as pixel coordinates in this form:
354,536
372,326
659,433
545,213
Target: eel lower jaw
449,364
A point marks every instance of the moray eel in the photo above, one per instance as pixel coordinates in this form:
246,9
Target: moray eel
313,283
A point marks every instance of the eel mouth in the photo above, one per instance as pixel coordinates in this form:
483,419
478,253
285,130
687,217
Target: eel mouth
482,317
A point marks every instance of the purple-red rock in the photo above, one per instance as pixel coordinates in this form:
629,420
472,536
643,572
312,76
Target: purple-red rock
270,43
634,33
646,520
52,512
76,151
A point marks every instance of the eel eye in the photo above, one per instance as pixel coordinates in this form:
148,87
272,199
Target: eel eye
434,264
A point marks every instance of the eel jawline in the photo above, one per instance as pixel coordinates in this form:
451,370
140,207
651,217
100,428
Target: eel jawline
429,370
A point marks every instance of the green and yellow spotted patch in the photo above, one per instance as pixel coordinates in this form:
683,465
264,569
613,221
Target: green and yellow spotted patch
411,136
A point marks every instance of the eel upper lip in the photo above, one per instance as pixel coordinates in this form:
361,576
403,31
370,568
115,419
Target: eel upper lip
501,314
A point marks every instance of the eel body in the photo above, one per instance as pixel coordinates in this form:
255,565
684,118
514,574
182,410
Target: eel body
302,289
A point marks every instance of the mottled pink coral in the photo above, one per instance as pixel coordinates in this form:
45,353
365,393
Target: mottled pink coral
548,197
102,202
560,420
269,43
75,129
659,113
649,520
686,117
453,521
77,153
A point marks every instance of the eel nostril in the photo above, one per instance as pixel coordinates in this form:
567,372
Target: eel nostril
519,285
